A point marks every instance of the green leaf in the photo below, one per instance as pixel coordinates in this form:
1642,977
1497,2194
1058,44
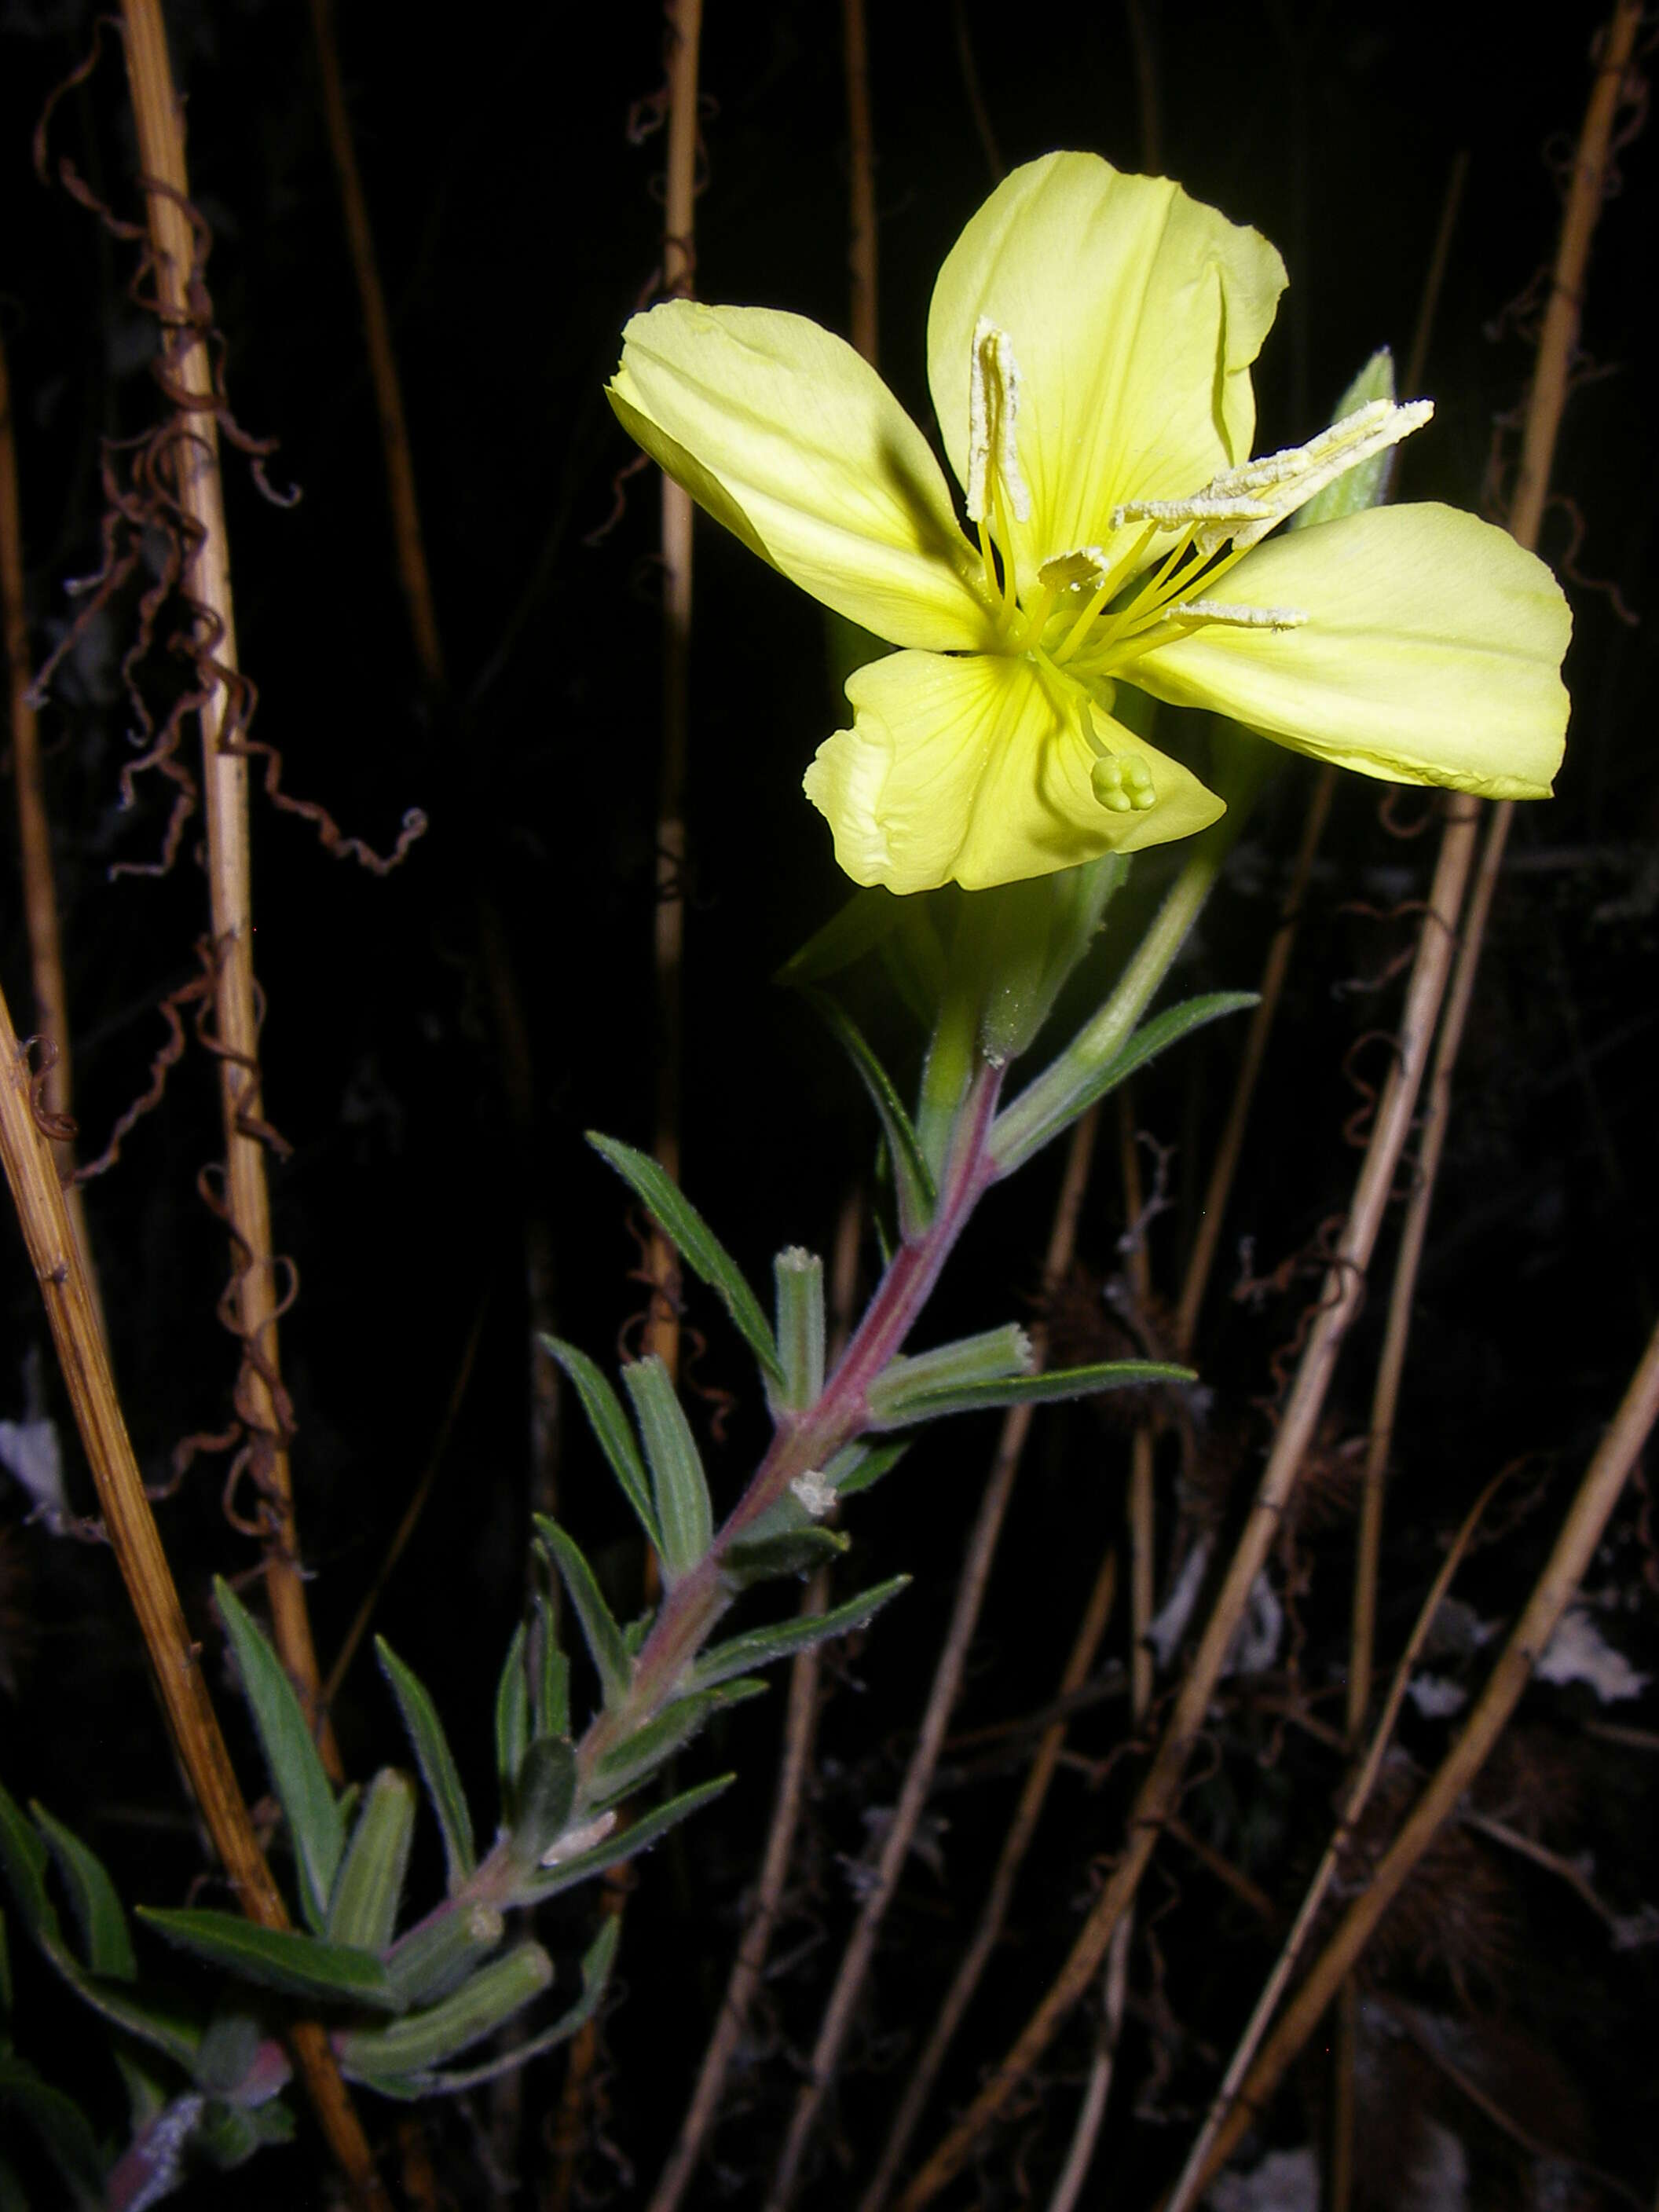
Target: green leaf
97,1906
627,1764
684,1512
990,1357
793,1552
63,2128
512,1715
314,1823
363,1910
696,1242
605,1638
1021,1130
798,1283
229,2135
625,1842
739,1655
440,1951
436,1761
551,1675
609,1424
596,1973
24,1858
857,928
913,1179
543,1802
278,1958
478,2008
1032,1390
868,1466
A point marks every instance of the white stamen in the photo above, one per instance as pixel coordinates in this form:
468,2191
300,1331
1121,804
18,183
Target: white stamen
816,1495
993,410
1203,507
1283,481
1222,610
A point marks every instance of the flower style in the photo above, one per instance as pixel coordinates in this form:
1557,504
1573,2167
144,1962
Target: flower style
1089,351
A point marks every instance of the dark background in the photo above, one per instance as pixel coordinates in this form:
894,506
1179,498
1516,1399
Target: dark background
516,230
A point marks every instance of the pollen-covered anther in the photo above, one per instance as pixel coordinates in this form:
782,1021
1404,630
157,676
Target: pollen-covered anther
1221,610
1123,784
1280,483
992,411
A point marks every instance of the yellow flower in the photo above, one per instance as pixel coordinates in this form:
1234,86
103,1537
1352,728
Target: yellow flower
1088,349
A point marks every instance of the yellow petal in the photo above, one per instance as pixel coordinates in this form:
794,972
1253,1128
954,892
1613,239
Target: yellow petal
976,770
1430,654
789,438
1133,314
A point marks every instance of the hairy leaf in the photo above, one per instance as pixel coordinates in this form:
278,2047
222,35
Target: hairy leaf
436,1763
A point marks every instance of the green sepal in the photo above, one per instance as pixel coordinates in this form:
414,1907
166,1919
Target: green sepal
1021,1130
609,1425
512,1715
798,1286
103,1921
994,1356
598,1625
685,1514
1034,1390
64,2129
913,1179
793,1552
761,1646
363,1910
315,1827
625,1842
277,1957
1024,940
697,1243
544,1799
436,1762
421,2040
440,1952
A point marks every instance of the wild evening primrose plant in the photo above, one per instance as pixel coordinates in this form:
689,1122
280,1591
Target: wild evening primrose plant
1090,348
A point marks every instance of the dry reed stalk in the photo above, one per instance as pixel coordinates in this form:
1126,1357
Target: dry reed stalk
206,579
408,543
34,837
943,1692
55,1259
1599,1492
1355,1800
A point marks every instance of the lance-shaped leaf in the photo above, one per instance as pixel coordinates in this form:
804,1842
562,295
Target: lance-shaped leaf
63,2128
685,1513
627,1764
436,1763
549,1674
992,1357
438,1954
625,1842
422,2039
1034,1390
314,1822
363,1910
544,1799
696,1242
739,1654
278,1958
103,1923
605,1638
792,1552
609,1425
597,1961
1066,1090
512,1715
913,1179
798,1280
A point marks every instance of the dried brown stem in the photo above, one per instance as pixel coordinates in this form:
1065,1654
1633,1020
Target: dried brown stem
1575,1549
55,1259
34,837
941,1698
206,580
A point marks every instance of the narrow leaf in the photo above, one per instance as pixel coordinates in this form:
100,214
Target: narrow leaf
478,2008
278,1958
596,1973
739,1654
1033,1389
544,1799
609,1424
551,1676
793,1552
1066,1090
857,928
512,1715
648,1829
438,1953
436,1763
798,1283
24,1858
64,2129
685,1513
97,1905
605,1638
629,1763
913,1179
314,1823
696,1242
363,1910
